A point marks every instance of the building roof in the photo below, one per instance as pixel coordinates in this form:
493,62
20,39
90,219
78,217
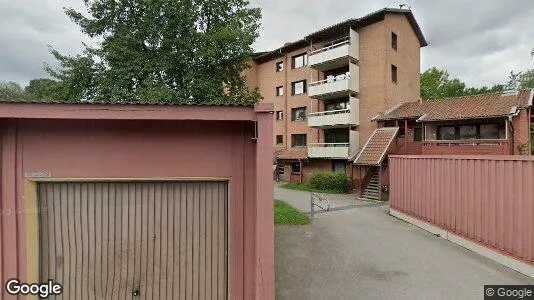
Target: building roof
375,150
125,103
299,153
342,28
99,111
492,105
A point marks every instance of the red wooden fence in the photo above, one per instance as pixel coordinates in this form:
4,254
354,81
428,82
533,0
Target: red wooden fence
486,199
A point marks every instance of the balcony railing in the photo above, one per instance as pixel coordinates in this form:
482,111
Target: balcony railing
329,150
340,117
474,142
337,78
329,112
335,54
329,145
336,86
467,147
329,88
332,45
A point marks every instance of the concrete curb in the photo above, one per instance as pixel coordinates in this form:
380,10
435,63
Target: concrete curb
507,261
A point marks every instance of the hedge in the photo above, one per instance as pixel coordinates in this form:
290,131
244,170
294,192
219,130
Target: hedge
336,181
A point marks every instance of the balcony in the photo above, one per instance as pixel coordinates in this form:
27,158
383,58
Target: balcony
336,118
332,118
466,147
335,54
329,150
335,87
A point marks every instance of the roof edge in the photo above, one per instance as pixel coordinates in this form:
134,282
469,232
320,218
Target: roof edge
351,22
387,111
389,145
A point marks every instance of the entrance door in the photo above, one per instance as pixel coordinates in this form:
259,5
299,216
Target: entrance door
151,240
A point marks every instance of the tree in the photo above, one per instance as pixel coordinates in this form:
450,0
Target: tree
185,51
436,84
42,89
10,90
527,79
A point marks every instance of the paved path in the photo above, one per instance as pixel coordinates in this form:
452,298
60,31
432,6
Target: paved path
363,253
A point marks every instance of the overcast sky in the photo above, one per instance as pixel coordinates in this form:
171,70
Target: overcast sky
478,41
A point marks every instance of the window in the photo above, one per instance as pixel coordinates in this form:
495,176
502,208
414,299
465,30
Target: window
295,167
446,133
339,166
281,169
299,61
417,134
394,73
279,91
279,66
336,105
279,115
394,41
279,139
298,87
298,140
402,130
489,131
298,114
337,136
468,132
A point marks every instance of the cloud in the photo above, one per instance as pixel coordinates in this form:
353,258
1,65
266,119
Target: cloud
478,41
27,28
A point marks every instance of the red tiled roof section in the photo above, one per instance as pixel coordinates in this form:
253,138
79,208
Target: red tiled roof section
376,147
299,153
466,107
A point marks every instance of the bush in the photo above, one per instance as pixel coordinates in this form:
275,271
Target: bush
336,181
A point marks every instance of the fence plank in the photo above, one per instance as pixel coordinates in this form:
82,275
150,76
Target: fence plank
487,199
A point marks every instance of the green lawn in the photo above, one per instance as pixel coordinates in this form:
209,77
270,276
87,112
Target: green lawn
307,188
285,214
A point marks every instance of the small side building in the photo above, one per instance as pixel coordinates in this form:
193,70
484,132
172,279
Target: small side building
486,124
143,201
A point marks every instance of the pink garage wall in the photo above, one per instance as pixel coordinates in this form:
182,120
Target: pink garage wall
486,199
145,149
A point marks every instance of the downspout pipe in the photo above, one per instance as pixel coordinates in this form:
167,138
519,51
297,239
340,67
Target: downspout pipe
514,111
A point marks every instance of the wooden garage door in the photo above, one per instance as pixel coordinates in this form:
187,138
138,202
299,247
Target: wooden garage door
155,239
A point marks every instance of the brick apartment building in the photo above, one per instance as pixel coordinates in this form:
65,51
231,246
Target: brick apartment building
328,86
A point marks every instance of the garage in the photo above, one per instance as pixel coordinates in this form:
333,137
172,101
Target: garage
165,240
115,201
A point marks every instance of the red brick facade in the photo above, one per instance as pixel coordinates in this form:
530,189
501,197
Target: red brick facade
377,91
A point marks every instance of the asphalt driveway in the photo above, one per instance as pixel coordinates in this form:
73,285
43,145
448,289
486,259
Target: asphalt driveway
358,251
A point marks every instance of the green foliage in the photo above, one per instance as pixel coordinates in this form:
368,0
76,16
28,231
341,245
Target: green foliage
285,214
527,79
335,181
42,89
184,51
436,84
11,91
306,187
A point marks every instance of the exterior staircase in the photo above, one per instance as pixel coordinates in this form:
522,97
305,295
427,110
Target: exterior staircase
371,190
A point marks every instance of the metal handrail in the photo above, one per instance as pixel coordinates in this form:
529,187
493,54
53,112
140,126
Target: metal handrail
313,204
330,112
344,41
474,142
330,80
329,144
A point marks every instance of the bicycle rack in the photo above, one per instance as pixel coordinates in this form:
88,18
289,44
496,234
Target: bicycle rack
321,199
